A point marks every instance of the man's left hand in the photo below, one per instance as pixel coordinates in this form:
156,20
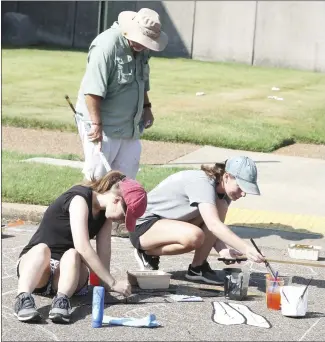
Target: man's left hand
148,118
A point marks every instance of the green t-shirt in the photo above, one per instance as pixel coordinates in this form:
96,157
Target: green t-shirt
121,79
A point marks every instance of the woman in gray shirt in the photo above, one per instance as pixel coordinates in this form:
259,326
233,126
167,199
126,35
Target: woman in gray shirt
186,212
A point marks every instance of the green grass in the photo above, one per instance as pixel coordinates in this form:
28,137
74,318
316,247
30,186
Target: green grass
234,113
35,183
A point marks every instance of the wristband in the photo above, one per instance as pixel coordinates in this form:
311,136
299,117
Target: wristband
96,123
147,105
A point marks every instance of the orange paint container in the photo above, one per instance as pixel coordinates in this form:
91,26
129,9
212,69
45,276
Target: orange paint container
93,279
272,291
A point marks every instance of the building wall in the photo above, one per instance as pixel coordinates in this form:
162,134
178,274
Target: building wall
224,30
288,34
291,34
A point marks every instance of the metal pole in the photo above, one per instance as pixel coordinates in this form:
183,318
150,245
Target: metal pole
100,15
74,23
254,34
193,30
105,15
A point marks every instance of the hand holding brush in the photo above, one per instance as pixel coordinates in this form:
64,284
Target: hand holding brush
268,266
254,255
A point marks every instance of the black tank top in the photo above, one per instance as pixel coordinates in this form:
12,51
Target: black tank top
55,230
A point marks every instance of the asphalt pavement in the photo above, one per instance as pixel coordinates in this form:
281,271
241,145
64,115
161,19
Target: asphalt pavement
179,321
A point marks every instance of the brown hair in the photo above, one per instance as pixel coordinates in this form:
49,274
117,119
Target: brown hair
105,183
216,171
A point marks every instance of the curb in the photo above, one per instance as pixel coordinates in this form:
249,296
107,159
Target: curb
307,224
34,213
26,212
236,217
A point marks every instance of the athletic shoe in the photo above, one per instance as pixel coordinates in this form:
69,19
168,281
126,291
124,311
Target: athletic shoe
25,308
60,310
205,273
146,262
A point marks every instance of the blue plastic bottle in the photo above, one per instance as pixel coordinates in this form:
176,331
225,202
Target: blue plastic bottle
98,306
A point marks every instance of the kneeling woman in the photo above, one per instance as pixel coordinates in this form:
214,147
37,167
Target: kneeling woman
186,212
57,257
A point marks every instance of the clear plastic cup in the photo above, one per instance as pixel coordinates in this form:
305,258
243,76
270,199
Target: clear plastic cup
236,283
272,290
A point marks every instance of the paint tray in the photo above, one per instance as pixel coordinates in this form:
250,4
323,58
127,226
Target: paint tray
149,279
307,252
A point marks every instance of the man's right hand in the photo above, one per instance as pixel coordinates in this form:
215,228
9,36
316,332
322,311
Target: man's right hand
123,287
96,135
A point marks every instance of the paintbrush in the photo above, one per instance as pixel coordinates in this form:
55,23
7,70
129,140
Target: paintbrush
101,154
289,262
275,280
268,266
302,295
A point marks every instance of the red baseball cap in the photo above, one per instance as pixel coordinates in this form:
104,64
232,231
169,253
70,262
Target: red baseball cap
135,197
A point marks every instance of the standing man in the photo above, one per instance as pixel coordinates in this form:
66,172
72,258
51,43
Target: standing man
113,106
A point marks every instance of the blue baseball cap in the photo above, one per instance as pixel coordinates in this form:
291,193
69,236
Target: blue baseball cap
245,172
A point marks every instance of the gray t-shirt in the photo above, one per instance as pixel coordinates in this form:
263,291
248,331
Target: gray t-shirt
177,197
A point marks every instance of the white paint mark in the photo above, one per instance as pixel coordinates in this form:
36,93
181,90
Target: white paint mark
313,271
39,327
138,311
8,292
19,230
8,258
47,332
307,331
8,276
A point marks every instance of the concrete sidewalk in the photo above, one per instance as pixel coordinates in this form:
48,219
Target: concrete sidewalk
180,321
291,187
292,190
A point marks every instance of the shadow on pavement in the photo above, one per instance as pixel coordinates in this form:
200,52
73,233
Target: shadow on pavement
82,306
44,311
308,315
320,283
6,236
286,232
196,288
258,280
79,311
315,314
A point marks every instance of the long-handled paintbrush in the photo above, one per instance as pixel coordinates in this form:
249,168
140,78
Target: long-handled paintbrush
268,266
101,154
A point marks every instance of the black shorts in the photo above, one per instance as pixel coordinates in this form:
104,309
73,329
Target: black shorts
141,229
